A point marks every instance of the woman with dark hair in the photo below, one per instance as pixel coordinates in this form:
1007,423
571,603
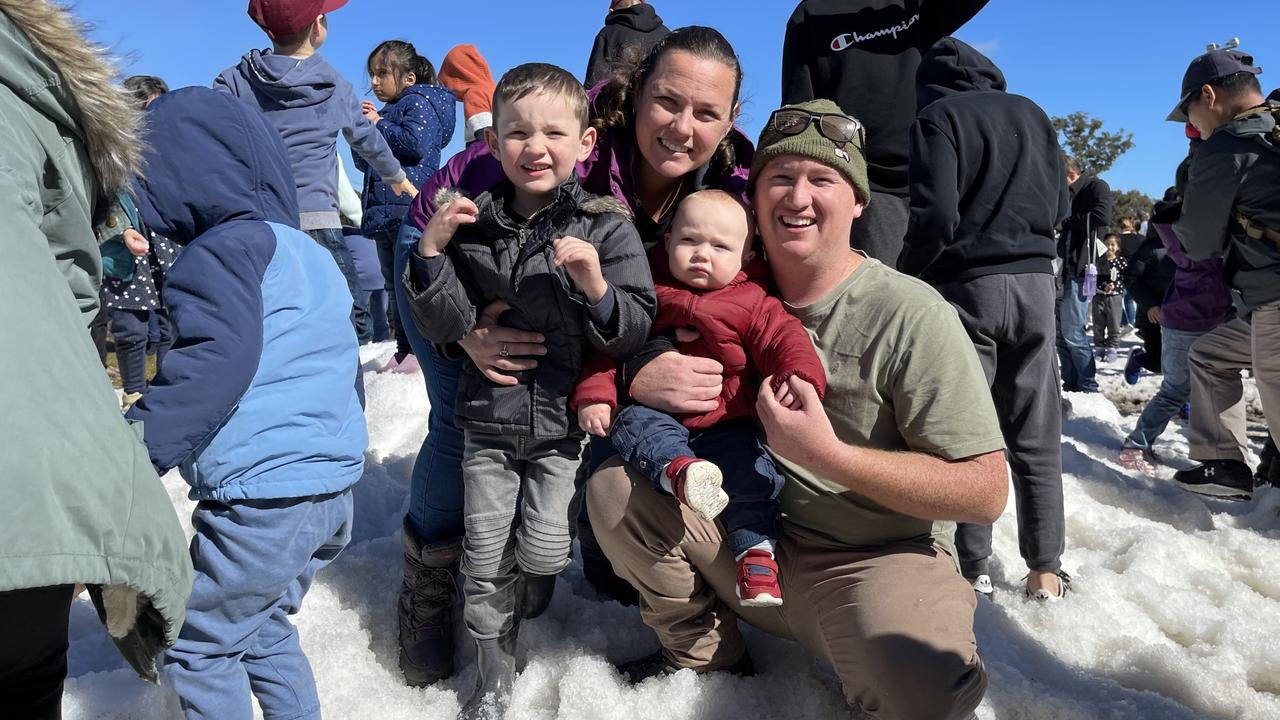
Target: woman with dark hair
665,130
417,122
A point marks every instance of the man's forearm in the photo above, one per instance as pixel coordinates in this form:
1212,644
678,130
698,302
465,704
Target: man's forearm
973,489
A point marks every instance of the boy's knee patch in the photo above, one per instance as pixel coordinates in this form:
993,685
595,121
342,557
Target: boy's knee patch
543,547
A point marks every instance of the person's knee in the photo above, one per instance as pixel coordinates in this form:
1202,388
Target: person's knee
608,492
919,681
542,547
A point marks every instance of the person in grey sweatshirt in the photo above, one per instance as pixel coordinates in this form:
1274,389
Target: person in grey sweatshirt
309,103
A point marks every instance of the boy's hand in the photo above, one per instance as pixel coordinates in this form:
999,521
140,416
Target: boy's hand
404,187
136,243
580,259
370,111
594,419
444,224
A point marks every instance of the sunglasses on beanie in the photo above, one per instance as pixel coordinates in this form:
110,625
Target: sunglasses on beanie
837,128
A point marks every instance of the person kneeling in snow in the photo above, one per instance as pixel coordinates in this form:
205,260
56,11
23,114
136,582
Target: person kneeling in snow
256,402
905,443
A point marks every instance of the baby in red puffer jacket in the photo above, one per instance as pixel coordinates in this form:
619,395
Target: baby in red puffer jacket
711,282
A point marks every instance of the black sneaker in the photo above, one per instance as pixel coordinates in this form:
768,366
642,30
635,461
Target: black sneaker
1222,479
656,665
1268,472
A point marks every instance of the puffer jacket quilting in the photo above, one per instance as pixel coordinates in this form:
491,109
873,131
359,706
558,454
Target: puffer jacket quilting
498,259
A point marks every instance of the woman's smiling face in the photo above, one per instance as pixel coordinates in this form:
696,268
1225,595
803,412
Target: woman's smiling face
683,111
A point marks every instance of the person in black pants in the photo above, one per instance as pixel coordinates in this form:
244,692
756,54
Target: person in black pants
33,656
987,189
1147,279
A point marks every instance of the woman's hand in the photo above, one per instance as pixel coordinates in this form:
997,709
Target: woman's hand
1153,314
676,383
498,350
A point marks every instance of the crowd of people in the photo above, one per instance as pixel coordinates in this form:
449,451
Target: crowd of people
787,382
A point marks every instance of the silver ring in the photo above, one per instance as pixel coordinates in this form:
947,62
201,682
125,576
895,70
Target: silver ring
503,350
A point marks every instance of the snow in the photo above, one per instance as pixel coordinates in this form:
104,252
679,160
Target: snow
1173,614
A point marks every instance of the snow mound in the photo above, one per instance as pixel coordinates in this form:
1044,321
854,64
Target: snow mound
1173,613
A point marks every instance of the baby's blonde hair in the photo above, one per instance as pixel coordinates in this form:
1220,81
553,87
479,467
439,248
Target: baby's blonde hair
727,199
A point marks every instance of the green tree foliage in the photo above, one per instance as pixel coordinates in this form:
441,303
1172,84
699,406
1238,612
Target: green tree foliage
1131,203
1084,139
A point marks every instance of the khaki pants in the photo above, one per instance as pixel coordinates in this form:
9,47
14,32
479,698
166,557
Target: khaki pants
896,622
1217,430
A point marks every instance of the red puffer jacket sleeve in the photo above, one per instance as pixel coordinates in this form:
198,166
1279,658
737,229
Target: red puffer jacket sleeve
780,346
597,383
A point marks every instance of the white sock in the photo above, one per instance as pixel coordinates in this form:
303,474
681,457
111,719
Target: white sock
665,480
765,545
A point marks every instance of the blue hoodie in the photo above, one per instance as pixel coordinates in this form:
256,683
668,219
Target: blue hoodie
309,103
257,398
417,125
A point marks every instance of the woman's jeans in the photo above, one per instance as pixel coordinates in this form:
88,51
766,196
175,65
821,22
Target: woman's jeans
1174,390
435,491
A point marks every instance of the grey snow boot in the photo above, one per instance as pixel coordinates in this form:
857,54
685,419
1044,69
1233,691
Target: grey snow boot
495,674
428,596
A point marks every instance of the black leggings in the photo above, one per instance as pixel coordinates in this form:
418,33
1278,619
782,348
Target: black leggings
33,651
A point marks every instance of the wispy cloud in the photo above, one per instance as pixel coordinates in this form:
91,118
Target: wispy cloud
989,47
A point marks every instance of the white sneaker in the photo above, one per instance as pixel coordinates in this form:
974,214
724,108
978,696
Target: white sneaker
983,586
1045,595
697,484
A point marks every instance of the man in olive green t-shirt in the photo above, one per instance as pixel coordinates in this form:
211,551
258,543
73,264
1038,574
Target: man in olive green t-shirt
905,444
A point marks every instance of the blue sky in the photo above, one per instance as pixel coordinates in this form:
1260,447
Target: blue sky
1119,60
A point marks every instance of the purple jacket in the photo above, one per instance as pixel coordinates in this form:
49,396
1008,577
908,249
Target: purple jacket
606,171
1199,299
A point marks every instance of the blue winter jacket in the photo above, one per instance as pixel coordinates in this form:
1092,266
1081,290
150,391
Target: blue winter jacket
257,398
417,126
309,103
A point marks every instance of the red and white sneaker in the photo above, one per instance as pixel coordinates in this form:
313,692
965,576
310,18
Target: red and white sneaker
1135,459
696,483
758,580
407,366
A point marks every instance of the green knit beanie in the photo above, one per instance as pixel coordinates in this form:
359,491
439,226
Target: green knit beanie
848,159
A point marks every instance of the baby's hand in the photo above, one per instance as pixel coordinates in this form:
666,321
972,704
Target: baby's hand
594,419
444,224
580,259
136,243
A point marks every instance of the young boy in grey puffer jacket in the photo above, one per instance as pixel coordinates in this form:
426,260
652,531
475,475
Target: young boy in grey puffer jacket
569,266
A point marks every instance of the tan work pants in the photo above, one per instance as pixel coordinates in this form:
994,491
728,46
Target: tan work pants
1217,428
895,622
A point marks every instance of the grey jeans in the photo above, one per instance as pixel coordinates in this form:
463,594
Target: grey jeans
1217,430
521,498
1010,319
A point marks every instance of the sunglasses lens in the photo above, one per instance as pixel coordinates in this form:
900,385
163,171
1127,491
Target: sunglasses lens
790,122
839,129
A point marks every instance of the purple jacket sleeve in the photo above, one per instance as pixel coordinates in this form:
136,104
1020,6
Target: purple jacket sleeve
472,171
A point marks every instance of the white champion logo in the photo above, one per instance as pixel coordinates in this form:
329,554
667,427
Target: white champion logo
845,40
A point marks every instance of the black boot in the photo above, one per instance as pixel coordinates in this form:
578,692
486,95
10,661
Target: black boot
599,571
495,674
1268,472
1221,479
533,594
655,665
427,599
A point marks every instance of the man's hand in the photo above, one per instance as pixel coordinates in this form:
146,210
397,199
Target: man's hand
1153,314
444,224
136,243
404,187
581,261
675,383
801,431
594,419
370,111
487,343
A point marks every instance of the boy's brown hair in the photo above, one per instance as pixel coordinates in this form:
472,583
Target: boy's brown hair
524,80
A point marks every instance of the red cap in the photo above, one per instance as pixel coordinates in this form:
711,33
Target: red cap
281,18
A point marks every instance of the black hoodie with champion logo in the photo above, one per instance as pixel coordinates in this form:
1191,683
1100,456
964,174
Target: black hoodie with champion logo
863,55
638,25
988,185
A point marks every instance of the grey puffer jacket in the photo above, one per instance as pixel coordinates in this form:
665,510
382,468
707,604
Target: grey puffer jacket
1237,170
500,258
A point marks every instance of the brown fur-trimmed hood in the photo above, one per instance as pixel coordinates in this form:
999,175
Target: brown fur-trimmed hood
46,59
